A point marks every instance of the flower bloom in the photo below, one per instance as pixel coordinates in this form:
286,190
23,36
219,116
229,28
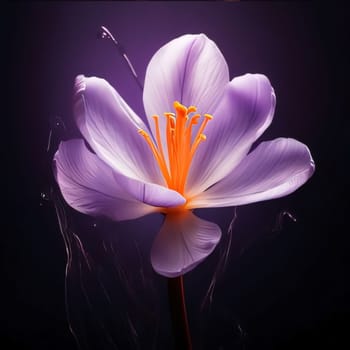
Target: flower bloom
194,151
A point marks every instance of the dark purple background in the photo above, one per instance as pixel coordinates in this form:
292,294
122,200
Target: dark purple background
290,290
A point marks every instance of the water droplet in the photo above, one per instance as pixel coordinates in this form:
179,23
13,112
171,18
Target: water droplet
43,195
102,34
57,122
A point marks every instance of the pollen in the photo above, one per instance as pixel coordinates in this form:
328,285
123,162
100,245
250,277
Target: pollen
181,145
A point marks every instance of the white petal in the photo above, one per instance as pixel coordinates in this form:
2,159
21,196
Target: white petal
183,242
90,186
189,69
111,128
274,169
243,114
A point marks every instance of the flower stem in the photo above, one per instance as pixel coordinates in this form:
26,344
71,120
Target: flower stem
178,314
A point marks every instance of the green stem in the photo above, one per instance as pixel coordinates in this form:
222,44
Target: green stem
178,314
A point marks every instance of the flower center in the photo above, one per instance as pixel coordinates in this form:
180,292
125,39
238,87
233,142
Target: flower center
178,139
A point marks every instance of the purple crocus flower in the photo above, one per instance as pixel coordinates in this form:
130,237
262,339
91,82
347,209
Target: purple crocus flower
194,152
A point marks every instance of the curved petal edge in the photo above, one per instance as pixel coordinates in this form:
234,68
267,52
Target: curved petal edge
183,242
274,169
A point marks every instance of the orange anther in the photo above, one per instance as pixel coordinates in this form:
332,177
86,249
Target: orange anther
178,132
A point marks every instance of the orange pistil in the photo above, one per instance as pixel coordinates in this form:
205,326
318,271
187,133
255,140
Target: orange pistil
180,149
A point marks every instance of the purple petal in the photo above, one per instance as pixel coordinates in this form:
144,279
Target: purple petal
90,186
183,242
111,128
243,114
189,69
274,169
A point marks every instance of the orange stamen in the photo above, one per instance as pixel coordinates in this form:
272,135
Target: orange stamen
158,139
178,132
161,162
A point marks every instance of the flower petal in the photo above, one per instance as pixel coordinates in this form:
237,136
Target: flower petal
111,128
274,169
189,69
183,242
243,114
90,186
